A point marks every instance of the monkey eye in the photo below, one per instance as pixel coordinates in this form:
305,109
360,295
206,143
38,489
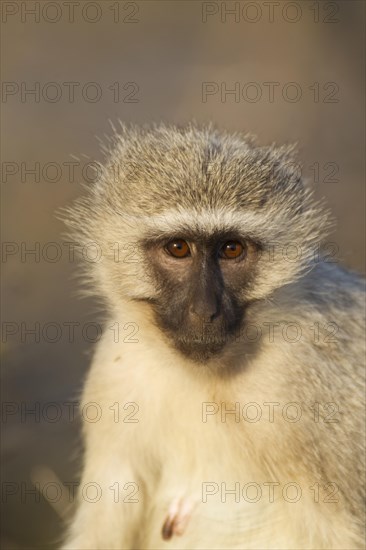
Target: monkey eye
178,248
231,250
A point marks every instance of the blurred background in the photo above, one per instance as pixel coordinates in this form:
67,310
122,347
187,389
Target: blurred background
287,72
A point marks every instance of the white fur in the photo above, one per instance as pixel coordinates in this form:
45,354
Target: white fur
170,452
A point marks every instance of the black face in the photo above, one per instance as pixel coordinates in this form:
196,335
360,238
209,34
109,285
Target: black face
200,304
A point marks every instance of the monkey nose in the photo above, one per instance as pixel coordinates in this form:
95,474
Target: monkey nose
202,312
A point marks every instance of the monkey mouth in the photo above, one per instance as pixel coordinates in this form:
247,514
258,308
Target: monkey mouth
198,342
200,349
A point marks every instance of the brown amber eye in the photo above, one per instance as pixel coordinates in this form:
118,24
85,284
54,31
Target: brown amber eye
232,250
178,248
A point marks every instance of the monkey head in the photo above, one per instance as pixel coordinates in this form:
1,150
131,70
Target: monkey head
198,224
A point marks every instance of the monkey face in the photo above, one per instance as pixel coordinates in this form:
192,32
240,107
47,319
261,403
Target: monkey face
201,305
196,206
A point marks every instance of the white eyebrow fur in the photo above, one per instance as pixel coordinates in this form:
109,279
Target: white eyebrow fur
256,224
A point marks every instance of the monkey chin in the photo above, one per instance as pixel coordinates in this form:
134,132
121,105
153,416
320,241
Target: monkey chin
200,351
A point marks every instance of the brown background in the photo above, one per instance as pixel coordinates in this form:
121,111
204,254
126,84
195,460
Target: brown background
168,52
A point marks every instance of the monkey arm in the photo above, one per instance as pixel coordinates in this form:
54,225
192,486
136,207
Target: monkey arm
111,494
109,507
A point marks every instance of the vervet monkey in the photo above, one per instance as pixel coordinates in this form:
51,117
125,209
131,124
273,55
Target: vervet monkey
229,383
